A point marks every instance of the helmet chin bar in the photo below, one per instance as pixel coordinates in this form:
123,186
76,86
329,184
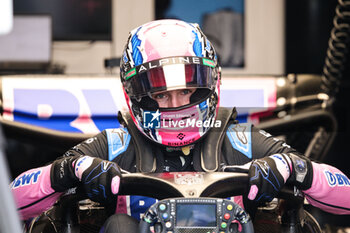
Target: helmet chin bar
203,110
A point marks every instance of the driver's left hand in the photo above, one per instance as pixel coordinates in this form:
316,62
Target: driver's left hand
267,177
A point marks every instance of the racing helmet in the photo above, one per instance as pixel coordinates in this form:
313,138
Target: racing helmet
166,55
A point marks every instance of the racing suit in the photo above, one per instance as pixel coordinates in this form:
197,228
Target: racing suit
242,143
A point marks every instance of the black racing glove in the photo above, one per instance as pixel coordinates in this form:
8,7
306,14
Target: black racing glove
99,178
268,175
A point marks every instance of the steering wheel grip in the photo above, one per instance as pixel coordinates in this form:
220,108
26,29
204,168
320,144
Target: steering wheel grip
144,227
248,227
244,219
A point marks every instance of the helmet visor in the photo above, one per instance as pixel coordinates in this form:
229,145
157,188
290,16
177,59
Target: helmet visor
159,75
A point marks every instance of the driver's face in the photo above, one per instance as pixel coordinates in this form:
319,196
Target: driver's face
173,99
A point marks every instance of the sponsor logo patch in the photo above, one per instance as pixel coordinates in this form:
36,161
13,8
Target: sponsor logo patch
240,138
336,179
118,142
26,179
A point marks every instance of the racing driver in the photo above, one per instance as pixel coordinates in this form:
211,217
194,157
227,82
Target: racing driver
171,81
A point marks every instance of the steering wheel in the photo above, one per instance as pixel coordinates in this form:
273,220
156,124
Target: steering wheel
194,192
195,215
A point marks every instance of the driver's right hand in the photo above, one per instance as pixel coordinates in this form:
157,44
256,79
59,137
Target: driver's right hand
99,178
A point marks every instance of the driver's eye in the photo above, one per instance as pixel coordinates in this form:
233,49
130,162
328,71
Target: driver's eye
159,96
186,91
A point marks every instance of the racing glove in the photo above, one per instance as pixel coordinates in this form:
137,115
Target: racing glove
268,175
99,178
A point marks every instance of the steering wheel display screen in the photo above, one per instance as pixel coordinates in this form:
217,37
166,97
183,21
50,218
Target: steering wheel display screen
196,215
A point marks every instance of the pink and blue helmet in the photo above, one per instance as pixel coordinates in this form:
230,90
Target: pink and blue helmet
166,55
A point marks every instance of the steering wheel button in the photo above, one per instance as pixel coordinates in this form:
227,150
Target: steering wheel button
162,207
165,215
223,225
227,216
229,207
168,224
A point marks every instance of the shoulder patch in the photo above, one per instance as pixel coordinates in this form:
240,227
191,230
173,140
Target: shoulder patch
240,138
118,141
